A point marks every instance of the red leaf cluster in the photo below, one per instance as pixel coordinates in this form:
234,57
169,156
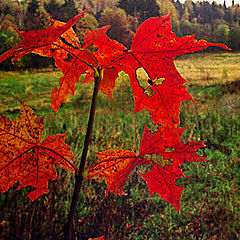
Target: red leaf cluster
163,149
157,87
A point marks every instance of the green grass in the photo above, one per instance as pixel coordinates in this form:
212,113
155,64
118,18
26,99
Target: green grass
210,201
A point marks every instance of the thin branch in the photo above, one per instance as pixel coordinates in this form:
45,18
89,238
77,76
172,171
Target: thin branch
79,175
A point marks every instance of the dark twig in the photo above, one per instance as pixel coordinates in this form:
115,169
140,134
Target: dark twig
79,174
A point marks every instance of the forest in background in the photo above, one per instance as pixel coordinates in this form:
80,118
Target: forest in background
212,22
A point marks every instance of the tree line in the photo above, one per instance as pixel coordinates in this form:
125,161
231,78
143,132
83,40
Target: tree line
212,22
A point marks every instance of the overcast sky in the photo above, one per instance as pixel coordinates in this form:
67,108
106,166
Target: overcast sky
228,2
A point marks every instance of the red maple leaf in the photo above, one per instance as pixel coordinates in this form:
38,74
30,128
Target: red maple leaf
162,181
166,150
157,85
39,39
166,142
25,158
107,51
162,148
60,42
116,166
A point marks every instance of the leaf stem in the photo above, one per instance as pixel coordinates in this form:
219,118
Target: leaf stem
79,174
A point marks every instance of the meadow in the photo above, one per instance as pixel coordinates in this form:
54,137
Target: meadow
210,205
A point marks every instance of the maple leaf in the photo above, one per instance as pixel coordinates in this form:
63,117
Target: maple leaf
91,36
27,160
166,142
107,51
116,166
162,148
157,85
167,152
162,181
38,39
60,42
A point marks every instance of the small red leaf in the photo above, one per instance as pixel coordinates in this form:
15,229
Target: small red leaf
165,149
116,166
162,181
166,142
37,39
91,36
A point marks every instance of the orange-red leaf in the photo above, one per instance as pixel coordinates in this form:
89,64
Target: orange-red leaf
60,42
116,166
91,36
72,66
166,142
25,159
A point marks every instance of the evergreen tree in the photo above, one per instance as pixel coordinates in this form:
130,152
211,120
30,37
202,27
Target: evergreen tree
68,10
140,8
54,9
36,17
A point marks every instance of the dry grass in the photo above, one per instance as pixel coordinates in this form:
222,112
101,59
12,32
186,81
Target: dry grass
209,68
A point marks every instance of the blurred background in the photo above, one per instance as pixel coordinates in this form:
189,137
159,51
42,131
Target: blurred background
210,201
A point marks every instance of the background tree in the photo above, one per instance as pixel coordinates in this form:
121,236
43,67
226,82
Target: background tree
68,10
89,21
36,17
140,8
222,33
166,7
234,37
54,9
120,28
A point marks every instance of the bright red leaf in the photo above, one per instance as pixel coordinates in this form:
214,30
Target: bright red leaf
166,150
166,142
27,160
163,149
91,36
162,181
156,83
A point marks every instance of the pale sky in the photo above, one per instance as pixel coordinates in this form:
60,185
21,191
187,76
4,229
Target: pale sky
228,2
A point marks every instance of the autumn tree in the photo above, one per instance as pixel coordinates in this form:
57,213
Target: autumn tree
222,33
120,28
68,10
165,7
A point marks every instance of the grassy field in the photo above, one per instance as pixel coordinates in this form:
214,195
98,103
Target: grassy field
210,202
